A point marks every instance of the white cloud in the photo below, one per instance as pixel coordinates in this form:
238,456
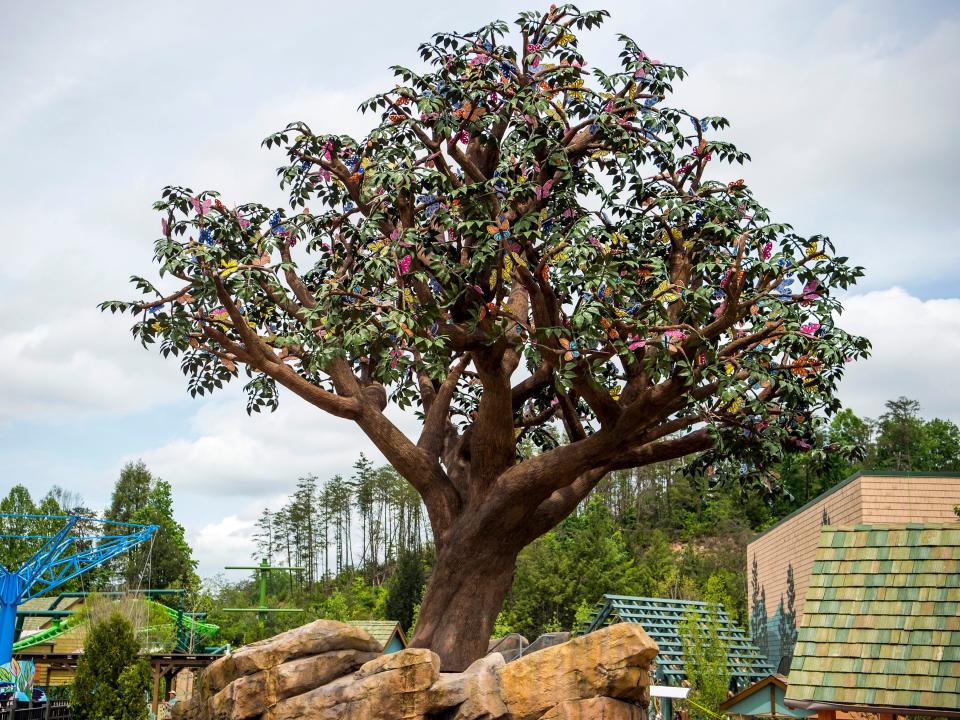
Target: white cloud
226,542
916,344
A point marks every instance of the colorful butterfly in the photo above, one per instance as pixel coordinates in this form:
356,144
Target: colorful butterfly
405,264
610,329
201,208
544,190
810,291
501,231
666,292
572,353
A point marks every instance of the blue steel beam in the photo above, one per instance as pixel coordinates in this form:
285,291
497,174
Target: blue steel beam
58,561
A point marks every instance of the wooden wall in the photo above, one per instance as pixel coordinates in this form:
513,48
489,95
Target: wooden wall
860,499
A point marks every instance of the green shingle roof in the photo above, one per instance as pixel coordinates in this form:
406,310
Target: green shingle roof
661,618
381,630
881,623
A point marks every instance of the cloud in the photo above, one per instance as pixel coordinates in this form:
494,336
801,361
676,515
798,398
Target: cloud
916,344
226,542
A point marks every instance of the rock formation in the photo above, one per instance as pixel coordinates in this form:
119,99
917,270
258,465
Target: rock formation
328,670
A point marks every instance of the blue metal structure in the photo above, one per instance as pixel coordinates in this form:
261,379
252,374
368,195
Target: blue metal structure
62,557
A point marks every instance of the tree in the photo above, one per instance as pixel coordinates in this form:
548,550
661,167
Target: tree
523,249
899,435
405,589
705,649
168,558
111,681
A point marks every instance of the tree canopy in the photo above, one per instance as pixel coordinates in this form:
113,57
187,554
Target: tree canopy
526,250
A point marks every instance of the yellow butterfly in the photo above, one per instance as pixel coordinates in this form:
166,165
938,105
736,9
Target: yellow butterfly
229,267
576,94
674,233
566,38
666,292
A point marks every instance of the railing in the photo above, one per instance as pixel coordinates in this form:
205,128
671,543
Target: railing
49,710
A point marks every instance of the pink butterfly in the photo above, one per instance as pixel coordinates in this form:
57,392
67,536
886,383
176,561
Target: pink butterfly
544,191
767,250
201,208
328,151
810,329
405,264
244,223
634,342
165,226
810,291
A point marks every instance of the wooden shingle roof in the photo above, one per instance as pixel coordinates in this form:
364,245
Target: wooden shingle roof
881,623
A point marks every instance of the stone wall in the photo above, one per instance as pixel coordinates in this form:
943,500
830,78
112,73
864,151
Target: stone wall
328,670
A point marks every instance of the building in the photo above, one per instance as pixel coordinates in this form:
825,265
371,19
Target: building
780,560
764,699
880,631
386,632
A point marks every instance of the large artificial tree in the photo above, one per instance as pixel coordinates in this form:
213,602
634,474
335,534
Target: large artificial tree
535,256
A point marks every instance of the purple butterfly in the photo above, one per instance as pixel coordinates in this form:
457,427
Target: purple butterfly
810,291
165,226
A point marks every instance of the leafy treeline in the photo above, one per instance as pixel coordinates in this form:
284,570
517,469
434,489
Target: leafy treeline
138,497
366,521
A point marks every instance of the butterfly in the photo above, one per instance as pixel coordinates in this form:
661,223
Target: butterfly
634,342
810,329
812,248
501,231
610,329
405,264
201,208
572,353
766,250
810,291
229,267
206,237
165,226
543,191
467,111
605,292
666,292
566,38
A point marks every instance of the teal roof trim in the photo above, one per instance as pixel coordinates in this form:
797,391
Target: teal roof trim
661,618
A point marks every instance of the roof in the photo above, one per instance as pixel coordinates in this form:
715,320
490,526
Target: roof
381,630
847,481
881,623
661,618
762,699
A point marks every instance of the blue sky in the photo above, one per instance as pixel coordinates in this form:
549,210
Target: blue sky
849,109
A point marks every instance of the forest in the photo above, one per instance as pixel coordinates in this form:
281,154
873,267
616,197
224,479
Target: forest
364,543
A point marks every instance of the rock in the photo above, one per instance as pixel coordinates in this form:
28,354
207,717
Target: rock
547,640
476,690
318,637
251,695
613,662
598,708
391,687
327,670
510,646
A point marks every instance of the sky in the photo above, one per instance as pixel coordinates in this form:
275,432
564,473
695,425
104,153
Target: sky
849,110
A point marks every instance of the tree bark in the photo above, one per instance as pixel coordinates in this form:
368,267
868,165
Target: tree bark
469,582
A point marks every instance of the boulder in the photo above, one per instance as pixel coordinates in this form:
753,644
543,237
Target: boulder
251,695
476,690
391,687
612,662
598,708
510,646
318,637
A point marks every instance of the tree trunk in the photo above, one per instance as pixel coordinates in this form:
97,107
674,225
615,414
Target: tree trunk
469,581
